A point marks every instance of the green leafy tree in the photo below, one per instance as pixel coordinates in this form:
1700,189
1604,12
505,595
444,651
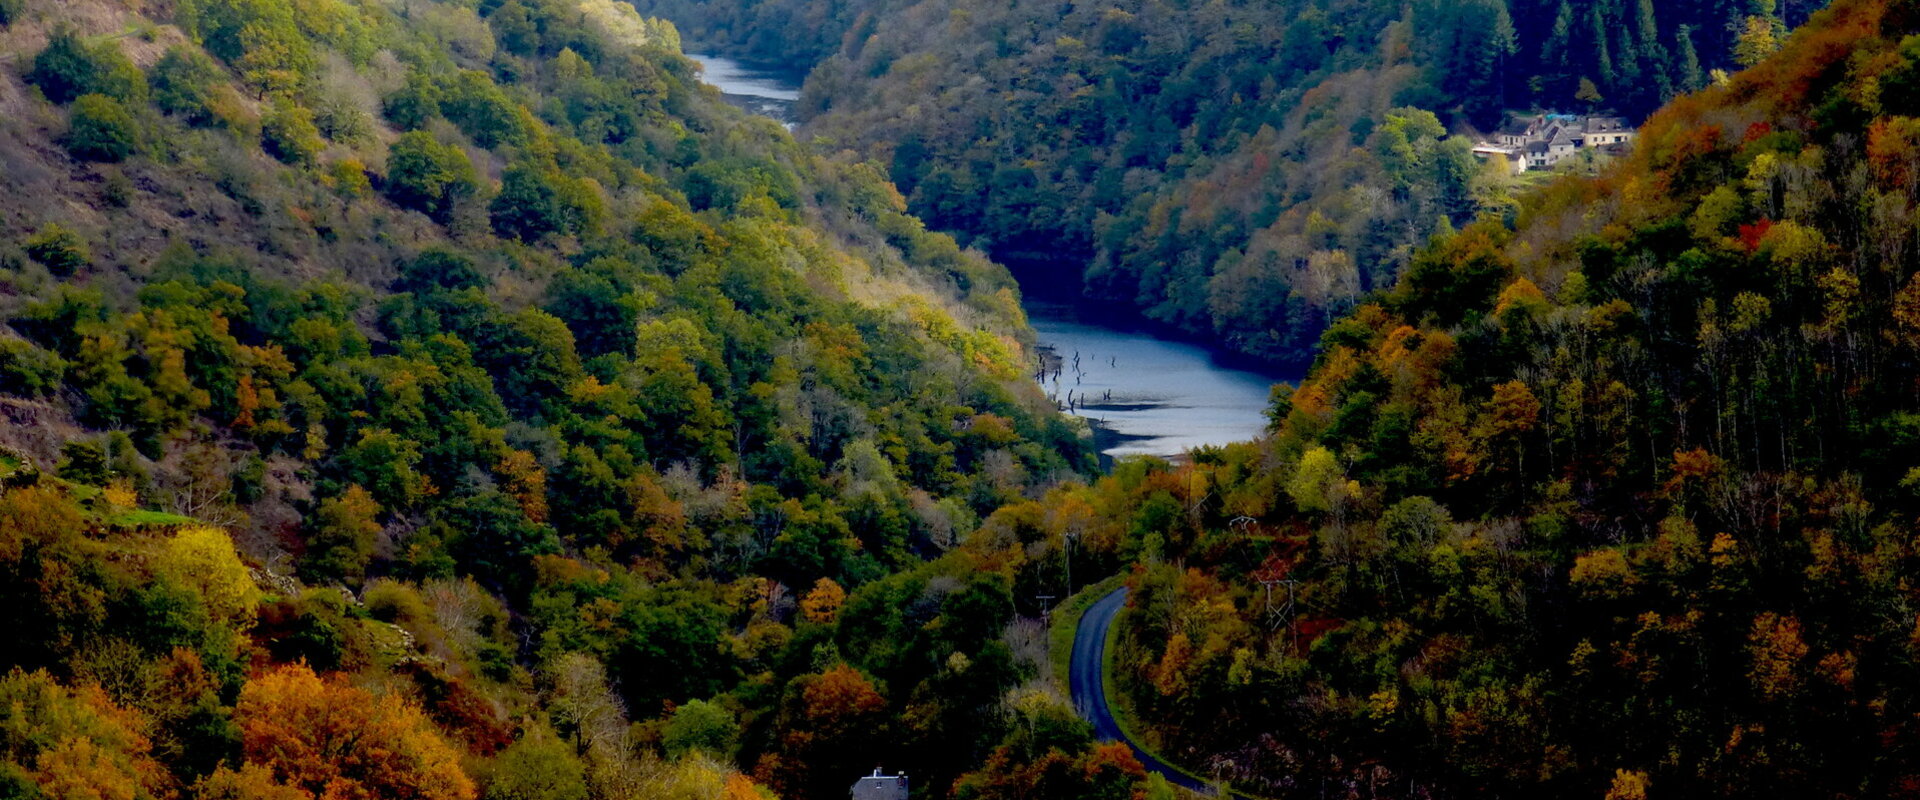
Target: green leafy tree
540,766
59,249
702,726
414,105
101,129
260,38
341,536
493,540
29,370
69,68
387,465
532,356
527,206
184,81
483,111
601,318
439,270
430,177
1589,93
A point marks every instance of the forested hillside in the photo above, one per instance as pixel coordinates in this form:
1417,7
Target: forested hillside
419,399
1244,172
413,399
1616,500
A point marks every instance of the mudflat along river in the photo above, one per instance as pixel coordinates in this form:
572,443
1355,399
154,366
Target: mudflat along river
1144,395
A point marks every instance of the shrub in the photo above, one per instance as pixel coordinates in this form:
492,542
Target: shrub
117,191
69,68
350,178
10,11
29,370
184,83
59,249
397,603
288,134
84,461
229,110
101,130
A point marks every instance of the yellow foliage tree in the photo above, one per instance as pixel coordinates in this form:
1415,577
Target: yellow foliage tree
203,559
251,782
524,481
1777,650
1629,785
1603,573
823,603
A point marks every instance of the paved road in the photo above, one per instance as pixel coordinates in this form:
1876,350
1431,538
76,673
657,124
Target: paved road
1090,693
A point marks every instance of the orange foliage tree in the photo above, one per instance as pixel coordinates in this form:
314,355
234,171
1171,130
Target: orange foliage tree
830,724
337,742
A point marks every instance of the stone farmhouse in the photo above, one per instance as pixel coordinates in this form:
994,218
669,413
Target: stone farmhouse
1539,141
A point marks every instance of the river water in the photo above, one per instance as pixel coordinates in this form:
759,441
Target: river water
1145,395
763,91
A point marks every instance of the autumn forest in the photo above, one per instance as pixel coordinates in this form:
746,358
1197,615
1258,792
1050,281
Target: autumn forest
463,400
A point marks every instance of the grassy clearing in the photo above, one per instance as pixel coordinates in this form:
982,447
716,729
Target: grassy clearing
150,519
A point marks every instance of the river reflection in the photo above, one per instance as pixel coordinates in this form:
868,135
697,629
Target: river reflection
767,92
1156,397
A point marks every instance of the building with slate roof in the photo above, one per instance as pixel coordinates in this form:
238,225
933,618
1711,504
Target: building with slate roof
1540,141
880,787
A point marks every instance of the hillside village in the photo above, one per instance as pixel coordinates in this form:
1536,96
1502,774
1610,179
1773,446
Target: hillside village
1540,141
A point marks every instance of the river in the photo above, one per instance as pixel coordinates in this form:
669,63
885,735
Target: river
1145,395
761,90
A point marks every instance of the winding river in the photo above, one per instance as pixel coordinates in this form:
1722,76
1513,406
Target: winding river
1145,395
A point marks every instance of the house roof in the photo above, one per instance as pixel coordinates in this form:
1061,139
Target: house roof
1517,127
880,787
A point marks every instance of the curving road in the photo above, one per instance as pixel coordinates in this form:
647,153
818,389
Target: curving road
1090,692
